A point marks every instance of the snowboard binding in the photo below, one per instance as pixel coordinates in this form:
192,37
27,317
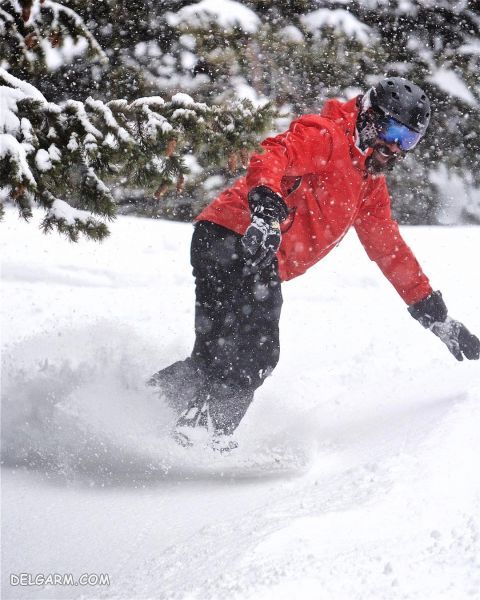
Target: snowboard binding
196,425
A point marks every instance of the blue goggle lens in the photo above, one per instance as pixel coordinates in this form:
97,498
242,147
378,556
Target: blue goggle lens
394,132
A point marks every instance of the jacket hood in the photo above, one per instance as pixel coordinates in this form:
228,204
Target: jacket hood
343,114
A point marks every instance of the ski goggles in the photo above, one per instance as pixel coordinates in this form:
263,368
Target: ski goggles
394,132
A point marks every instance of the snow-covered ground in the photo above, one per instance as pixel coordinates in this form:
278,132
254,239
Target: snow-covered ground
357,474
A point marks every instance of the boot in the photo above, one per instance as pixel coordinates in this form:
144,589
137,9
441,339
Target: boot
179,383
229,407
212,417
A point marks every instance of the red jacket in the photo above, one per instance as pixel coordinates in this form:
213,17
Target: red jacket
318,170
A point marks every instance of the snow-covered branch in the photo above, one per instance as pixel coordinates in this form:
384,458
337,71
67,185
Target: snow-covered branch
66,157
42,34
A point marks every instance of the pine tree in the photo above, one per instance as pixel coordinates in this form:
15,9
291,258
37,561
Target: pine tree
66,157
143,54
31,30
72,157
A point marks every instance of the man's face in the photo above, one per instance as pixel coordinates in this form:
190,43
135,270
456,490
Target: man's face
383,157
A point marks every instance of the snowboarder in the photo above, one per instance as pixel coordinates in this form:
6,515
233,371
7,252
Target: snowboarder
299,198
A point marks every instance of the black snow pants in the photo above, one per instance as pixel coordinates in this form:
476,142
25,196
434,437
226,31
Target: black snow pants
236,311
237,314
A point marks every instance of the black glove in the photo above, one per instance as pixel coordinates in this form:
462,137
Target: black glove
262,238
431,312
458,339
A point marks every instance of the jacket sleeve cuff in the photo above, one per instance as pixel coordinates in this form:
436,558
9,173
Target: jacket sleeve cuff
431,309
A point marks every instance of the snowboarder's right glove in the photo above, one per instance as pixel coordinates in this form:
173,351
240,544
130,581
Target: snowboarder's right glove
431,312
262,238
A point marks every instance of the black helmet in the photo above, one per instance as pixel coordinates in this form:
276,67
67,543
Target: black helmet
402,100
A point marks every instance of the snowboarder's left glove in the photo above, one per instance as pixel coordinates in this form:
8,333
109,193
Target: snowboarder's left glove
458,339
431,312
262,238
